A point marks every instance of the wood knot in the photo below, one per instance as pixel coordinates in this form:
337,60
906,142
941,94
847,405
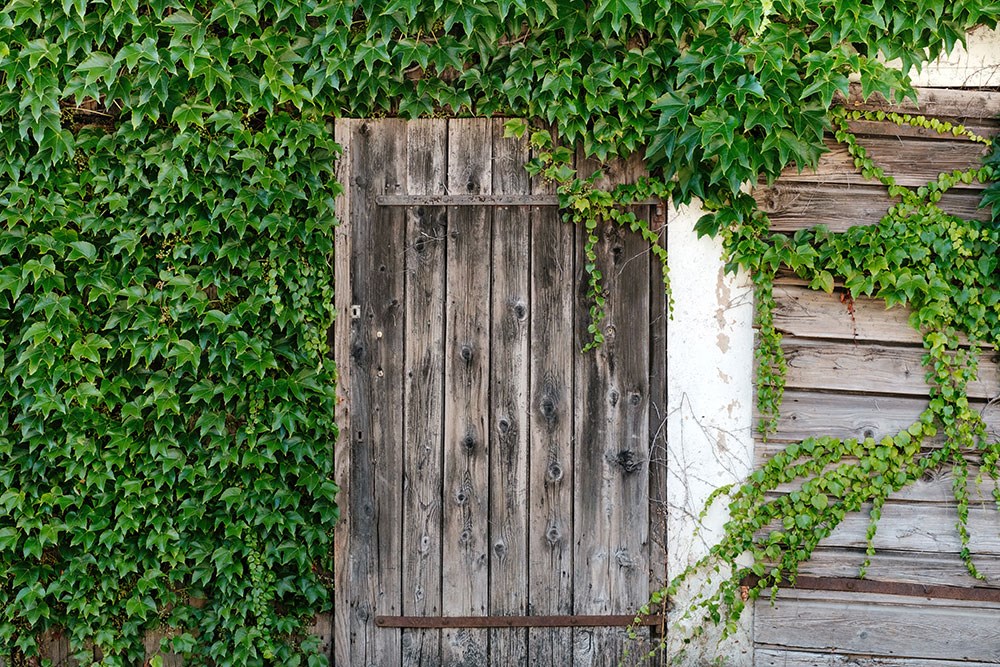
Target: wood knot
554,473
613,397
469,443
461,497
520,310
420,211
635,398
500,549
552,535
471,186
466,353
503,425
465,537
628,461
547,406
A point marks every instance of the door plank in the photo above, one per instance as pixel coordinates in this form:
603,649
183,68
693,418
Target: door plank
510,305
423,379
465,555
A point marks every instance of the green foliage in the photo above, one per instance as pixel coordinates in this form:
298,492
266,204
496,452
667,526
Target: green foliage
166,407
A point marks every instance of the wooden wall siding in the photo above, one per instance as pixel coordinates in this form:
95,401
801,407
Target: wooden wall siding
491,469
854,370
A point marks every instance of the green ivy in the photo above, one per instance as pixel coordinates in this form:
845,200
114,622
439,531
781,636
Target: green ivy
166,197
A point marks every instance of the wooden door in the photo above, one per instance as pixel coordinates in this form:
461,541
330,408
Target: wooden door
492,474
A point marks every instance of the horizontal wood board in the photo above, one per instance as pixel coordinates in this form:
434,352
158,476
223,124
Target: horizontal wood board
855,370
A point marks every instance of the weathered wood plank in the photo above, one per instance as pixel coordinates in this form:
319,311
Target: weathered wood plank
509,362
838,366
870,128
550,530
807,414
423,389
780,658
796,205
887,565
937,102
905,160
611,568
465,556
921,528
880,625
937,487
375,510
343,258
658,503
804,312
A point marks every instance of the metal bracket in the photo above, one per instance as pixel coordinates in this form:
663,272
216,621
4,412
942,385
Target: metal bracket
355,312
435,622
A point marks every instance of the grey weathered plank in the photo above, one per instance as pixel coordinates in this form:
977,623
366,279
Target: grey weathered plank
888,565
343,253
781,658
908,161
658,506
465,556
423,382
796,205
811,313
375,509
843,366
550,530
866,128
921,528
807,414
880,625
937,102
509,367
611,568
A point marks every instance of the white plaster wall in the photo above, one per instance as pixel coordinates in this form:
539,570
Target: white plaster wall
975,65
710,403
709,370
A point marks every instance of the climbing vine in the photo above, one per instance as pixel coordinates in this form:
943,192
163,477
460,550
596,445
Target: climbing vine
166,217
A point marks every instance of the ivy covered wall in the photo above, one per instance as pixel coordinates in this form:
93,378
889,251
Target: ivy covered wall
167,212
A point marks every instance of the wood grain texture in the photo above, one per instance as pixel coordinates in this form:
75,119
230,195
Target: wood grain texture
659,320
465,556
938,102
343,253
423,389
807,313
611,506
872,368
907,567
807,414
552,351
375,510
880,625
778,658
792,205
912,163
509,367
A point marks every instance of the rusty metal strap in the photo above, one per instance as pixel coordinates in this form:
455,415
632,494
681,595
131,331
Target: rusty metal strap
480,200
852,585
436,622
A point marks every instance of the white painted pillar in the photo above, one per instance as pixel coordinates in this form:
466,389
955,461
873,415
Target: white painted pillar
710,406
